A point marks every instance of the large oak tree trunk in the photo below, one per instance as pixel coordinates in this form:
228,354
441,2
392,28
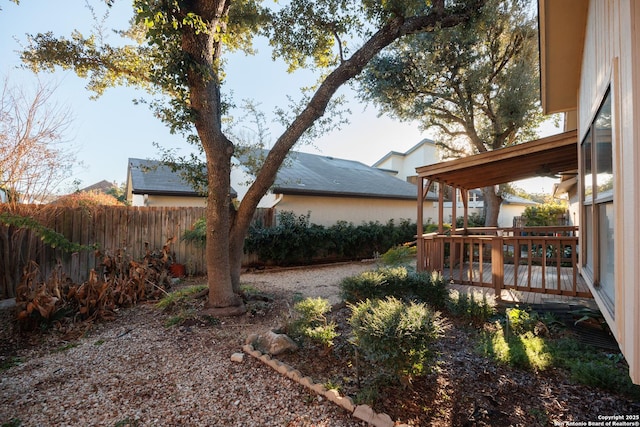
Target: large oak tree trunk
225,234
492,202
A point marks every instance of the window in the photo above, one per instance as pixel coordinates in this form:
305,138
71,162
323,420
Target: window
597,203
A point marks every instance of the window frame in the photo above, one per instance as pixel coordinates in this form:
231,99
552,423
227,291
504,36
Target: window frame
591,202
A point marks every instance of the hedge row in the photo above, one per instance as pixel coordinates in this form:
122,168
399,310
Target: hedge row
294,240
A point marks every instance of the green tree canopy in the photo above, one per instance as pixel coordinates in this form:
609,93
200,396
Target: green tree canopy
176,48
476,84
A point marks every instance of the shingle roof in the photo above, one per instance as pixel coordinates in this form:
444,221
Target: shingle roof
153,177
313,174
102,186
517,200
302,173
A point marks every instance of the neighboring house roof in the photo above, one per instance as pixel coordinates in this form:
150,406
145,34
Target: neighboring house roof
312,174
155,178
102,186
511,199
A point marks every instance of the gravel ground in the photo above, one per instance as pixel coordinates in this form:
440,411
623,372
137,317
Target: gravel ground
137,371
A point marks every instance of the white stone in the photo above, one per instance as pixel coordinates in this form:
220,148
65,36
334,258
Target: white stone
237,357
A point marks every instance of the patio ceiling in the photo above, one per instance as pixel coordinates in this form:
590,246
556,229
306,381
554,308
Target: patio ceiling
542,157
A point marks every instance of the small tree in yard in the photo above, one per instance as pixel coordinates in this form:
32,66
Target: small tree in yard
178,51
34,156
34,160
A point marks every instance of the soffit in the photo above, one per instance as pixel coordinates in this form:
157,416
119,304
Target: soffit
562,25
542,157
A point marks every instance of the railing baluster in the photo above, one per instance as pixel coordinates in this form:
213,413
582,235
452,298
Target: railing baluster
540,248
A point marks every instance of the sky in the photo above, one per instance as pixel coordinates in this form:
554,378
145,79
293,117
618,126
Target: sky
107,131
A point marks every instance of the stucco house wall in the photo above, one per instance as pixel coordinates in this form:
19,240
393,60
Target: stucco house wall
329,210
171,201
403,165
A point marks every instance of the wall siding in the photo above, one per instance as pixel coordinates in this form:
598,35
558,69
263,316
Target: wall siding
328,210
612,58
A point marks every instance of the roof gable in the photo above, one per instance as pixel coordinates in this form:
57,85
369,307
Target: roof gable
425,141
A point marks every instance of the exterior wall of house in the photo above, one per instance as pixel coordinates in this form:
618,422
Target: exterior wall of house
612,60
507,212
329,210
171,201
505,218
425,153
239,182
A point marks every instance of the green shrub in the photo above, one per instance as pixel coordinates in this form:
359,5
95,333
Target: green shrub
520,321
547,214
473,220
297,241
312,323
396,336
525,351
197,234
475,307
293,241
594,368
399,282
398,255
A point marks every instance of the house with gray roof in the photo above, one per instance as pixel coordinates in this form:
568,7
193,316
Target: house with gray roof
152,183
327,189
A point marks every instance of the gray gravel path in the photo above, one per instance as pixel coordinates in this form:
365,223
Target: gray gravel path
136,371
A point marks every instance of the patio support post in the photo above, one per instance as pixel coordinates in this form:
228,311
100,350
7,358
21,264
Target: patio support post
441,208
454,205
419,223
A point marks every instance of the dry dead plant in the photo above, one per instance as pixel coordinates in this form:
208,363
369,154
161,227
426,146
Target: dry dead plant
122,282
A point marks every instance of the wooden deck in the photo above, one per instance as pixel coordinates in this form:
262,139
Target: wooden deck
512,296
530,279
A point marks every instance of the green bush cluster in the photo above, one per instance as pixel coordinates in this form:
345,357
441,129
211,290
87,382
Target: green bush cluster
475,307
295,240
399,282
597,369
395,336
400,254
473,220
547,214
312,323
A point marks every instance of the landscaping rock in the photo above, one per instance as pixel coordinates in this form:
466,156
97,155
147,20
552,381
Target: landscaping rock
272,343
364,413
237,357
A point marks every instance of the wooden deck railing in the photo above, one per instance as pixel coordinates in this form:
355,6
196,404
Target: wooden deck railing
533,259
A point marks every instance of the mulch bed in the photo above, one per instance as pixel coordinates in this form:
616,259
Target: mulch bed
465,389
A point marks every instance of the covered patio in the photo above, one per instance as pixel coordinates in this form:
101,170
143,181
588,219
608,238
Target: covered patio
531,259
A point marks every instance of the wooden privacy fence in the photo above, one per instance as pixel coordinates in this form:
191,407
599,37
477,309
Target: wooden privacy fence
113,228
